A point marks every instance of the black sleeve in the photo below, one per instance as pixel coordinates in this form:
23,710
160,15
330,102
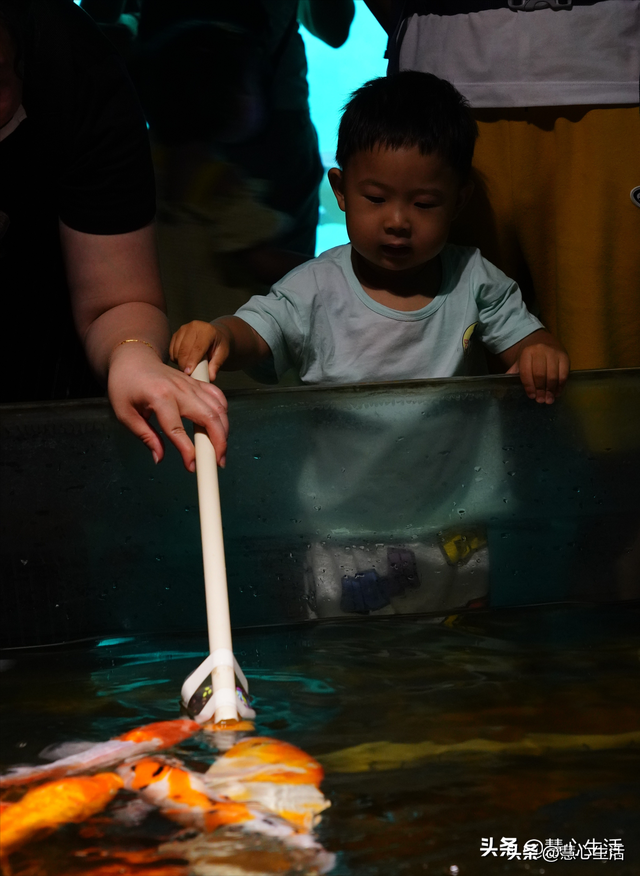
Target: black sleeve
86,109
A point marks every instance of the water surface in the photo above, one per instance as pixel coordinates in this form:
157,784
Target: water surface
435,734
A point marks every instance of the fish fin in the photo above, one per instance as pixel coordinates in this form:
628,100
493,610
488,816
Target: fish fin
57,751
133,813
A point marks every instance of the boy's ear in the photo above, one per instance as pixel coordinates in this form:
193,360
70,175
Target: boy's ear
464,195
337,184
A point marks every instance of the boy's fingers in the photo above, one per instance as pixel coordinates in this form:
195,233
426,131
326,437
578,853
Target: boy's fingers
540,375
526,376
218,357
563,373
175,344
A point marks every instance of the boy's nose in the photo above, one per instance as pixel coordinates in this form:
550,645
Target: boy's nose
397,223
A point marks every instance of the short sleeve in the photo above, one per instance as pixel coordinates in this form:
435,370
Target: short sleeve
87,122
107,184
279,318
503,316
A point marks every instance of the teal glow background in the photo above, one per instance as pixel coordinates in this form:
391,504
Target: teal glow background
333,75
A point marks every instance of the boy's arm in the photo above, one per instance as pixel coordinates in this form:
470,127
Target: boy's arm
228,342
542,363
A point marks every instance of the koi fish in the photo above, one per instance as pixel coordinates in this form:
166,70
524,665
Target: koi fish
396,755
141,740
277,775
182,796
44,809
123,862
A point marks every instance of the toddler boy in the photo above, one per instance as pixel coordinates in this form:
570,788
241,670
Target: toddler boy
397,302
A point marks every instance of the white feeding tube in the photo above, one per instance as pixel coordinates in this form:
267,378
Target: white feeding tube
215,573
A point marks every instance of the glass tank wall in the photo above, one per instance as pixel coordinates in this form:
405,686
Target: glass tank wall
420,497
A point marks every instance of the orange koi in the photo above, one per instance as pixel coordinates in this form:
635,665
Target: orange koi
277,775
183,797
42,810
139,862
179,793
150,737
262,759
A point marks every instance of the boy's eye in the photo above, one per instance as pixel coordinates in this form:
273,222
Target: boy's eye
423,205
375,199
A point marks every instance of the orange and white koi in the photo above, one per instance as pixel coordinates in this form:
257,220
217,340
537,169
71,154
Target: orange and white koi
182,796
149,737
45,808
277,775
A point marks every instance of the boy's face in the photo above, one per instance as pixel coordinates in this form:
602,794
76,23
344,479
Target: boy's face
399,206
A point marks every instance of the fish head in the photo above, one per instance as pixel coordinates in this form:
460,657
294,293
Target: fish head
137,776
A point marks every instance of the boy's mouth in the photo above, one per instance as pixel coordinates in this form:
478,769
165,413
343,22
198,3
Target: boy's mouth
395,250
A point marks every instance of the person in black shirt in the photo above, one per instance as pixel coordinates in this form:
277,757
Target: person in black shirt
78,269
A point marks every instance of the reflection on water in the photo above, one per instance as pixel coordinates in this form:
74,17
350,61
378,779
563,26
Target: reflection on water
434,735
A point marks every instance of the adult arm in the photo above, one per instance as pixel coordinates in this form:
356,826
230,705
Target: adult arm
330,22
116,297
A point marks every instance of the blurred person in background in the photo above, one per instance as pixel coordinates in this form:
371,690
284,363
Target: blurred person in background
224,91
282,149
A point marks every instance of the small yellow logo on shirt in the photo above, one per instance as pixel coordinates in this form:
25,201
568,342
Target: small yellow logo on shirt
466,337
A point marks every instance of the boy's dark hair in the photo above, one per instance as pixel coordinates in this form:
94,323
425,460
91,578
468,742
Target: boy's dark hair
409,109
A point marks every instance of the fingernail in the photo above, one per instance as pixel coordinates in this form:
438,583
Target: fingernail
192,465
223,462
155,457
188,369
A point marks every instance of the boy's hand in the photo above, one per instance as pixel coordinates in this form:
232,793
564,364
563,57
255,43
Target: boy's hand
543,366
200,340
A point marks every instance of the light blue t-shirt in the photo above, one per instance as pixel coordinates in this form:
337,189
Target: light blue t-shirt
319,320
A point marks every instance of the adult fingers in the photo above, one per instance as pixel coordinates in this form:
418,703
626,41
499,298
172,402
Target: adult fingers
202,404
168,415
137,424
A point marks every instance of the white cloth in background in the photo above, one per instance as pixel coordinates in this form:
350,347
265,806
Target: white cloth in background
588,55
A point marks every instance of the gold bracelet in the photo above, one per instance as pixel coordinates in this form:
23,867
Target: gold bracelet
130,341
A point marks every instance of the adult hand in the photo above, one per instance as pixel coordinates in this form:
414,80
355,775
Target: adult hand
141,385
